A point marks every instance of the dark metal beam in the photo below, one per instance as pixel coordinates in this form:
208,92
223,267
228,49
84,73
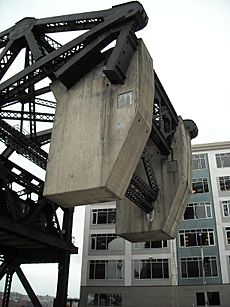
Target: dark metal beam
23,145
121,55
3,268
43,137
63,268
62,286
4,37
159,139
8,282
88,20
13,227
26,116
162,93
165,119
7,57
25,97
27,287
17,174
46,103
7,152
47,65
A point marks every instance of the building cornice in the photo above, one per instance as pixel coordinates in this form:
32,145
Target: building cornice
211,146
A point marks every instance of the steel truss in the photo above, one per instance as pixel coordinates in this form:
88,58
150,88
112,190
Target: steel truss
28,221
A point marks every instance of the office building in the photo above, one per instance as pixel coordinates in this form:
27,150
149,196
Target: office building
191,270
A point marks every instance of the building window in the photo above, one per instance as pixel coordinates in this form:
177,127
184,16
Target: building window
151,268
226,207
104,299
227,233
213,298
224,183
152,244
192,267
198,162
106,241
105,269
223,160
201,210
104,216
196,237
200,185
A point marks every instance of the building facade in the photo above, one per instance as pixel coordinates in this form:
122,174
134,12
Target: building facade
191,270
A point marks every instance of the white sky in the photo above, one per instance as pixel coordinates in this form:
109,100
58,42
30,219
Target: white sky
189,41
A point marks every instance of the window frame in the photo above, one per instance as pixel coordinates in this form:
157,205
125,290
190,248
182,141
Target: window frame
201,161
108,214
224,183
96,299
227,204
184,233
95,265
139,245
194,205
94,241
227,235
198,264
204,183
220,159
150,266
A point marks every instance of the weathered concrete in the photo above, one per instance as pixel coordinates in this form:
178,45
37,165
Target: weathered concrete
99,133
173,176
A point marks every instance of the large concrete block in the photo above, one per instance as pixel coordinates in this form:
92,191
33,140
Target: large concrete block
99,133
173,175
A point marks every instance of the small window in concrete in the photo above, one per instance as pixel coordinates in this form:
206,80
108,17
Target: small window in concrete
226,208
198,162
212,297
103,216
200,185
104,299
223,160
106,241
192,267
198,210
224,183
124,100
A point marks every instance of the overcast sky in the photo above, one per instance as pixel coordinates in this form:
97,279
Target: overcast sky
189,41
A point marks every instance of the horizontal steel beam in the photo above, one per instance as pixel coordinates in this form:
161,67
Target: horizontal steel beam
34,235
27,116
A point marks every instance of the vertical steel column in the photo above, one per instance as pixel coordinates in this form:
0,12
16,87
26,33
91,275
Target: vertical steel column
29,61
63,276
63,267
8,282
